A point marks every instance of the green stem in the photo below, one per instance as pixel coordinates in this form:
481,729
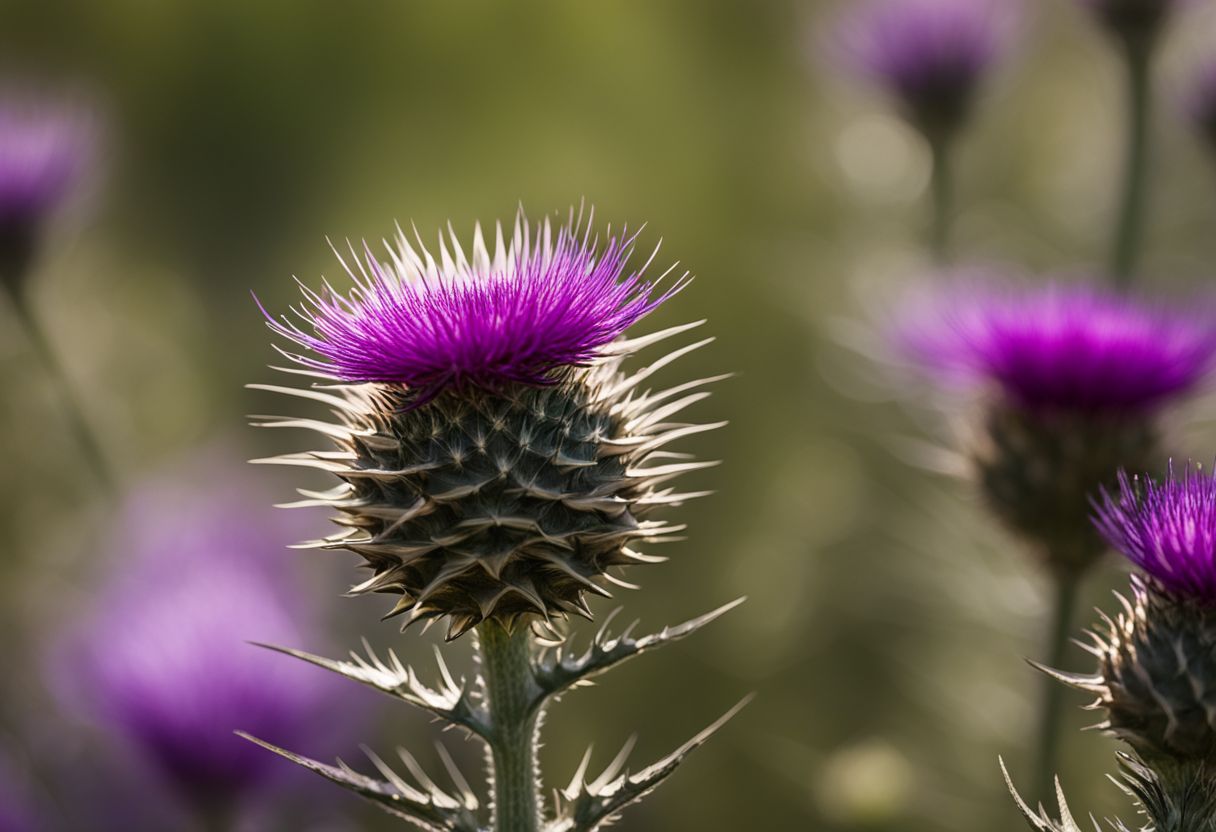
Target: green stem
1051,715
941,188
1129,232
85,438
511,694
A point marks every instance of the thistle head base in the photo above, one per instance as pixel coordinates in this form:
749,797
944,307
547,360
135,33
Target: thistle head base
1038,470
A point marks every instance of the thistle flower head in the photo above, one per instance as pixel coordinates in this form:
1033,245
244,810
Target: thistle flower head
930,54
1064,347
548,299
44,150
163,660
1167,529
1077,376
1156,673
496,461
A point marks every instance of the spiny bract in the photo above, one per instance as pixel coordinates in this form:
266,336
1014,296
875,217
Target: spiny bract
503,498
1156,676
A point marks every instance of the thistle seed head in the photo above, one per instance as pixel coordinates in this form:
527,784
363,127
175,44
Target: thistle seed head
485,494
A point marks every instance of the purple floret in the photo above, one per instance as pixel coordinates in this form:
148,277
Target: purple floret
930,54
1064,346
1167,529
547,299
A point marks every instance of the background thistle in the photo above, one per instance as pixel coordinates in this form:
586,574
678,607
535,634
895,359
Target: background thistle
1076,377
932,57
1156,675
497,464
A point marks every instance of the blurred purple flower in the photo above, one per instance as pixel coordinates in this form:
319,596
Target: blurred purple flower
44,150
930,54
163,659
1200,103
1167,529
1062,346
547,299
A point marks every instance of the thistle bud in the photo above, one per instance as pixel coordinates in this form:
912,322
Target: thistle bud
43,153
1156,676
496,461
1075,378
931,55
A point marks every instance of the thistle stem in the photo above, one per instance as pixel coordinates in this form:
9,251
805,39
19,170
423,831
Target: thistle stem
1047,748
85,438
1129,231
941,193
511,692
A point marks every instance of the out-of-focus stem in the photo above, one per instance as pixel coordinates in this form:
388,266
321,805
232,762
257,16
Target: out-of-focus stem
511,693
85,438
1052,704
1128,240
941,187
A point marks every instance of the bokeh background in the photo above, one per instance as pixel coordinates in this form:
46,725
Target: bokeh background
887,621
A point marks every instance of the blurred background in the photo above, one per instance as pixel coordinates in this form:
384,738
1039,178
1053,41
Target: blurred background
887,620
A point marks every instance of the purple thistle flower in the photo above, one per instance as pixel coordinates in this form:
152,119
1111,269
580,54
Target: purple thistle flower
44,150
1167,529
930,54
1071,347
547,299
164,659
1200,103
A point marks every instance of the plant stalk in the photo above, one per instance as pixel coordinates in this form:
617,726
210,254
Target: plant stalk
86,439
1051,714
511,694
1127,244
941,193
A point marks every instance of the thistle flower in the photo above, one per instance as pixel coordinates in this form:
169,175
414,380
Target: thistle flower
1200,104
44,150
162,660
496,464
931,55
1077,376
492,451
1156,672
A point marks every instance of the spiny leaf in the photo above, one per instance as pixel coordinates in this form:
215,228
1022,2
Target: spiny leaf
428,807
451,701
586,806
1041,821
558,669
